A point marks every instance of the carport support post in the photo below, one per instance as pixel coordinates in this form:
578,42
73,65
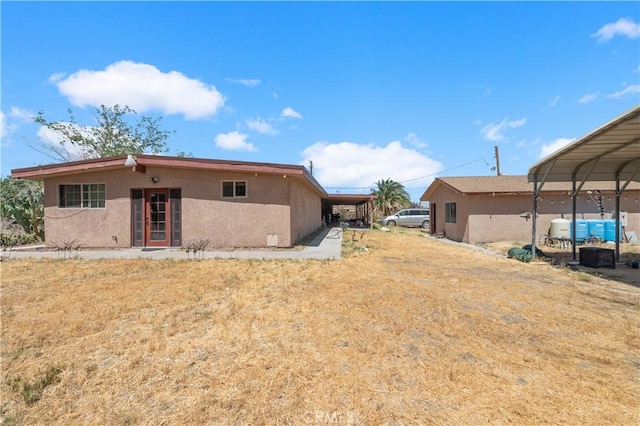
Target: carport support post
618,219
574,205
533,219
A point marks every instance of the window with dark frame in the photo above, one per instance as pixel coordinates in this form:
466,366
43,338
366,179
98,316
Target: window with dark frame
450,212
88,196
234,189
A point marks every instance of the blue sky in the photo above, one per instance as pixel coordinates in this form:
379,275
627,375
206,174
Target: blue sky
367,91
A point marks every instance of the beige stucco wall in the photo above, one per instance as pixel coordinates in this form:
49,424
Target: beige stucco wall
306,211
108,227
488,218
263,218
498,218
453,231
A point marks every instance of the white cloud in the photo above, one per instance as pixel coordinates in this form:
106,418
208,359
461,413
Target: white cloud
588,98
21,114
56,77
554,101
9,123
495,131
289,112
632,89
414,140
352,165
261,126
4,131
623,27
234,141
142,87
554,146
249,82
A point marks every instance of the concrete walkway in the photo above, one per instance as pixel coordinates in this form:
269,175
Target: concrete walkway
327,245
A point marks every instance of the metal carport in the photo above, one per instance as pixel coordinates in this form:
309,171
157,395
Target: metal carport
609,153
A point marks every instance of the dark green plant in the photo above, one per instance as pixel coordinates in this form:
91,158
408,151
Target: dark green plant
22,203
392,196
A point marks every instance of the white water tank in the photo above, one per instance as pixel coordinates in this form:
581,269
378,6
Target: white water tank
560,228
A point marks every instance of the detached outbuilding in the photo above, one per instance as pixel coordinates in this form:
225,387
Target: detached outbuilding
150,200
475,209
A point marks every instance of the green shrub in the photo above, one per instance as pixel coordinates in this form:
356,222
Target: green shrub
12,240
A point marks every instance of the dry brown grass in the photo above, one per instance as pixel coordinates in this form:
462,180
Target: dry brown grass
412,331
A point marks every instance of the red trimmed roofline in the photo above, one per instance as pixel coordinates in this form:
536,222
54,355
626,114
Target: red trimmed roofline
42,172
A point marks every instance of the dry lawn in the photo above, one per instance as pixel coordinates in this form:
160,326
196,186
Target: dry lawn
412,331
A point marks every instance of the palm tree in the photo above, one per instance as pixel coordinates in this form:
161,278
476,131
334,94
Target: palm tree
392,196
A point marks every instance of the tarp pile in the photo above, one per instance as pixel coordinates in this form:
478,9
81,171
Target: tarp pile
523,254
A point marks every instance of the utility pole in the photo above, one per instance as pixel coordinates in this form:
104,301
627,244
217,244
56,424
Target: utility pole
497,160
311,167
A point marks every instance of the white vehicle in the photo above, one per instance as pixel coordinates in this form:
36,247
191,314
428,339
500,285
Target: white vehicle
408,217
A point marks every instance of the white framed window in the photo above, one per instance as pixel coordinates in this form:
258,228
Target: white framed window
86,196
234,189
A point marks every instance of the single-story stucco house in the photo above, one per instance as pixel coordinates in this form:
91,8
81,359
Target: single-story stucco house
148,200
475,209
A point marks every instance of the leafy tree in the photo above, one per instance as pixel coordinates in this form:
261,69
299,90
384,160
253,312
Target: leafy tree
392,196
22,203
114,134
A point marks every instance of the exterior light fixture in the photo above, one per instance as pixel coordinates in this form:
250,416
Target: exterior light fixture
130,161
154,179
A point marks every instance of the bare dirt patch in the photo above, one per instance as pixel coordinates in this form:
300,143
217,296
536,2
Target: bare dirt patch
408,331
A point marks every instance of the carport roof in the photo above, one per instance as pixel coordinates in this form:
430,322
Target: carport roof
349,199
601,155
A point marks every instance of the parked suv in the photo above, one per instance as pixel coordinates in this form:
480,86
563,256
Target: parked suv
408,217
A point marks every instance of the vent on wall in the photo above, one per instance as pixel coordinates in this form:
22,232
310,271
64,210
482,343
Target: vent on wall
272,240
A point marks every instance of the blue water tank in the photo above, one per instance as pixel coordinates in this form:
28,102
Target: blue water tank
610,230
582,230
596,228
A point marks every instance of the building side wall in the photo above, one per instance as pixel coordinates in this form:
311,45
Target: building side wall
306,211
453,231
498,218
261,219
489,218
106,227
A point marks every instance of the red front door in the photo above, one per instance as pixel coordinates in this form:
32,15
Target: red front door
157,221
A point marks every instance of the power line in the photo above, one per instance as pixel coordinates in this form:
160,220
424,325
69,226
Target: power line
444,171
414,179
